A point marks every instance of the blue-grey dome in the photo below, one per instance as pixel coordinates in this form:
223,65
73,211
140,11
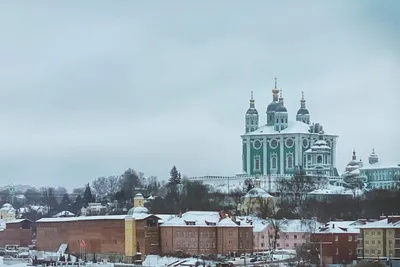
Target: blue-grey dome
281,108
303,111
252,111
272,106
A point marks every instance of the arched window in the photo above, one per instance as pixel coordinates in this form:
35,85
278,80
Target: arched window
273,163
319,160
290,162
257,164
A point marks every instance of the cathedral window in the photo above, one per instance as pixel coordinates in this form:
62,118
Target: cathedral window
257,164
274,143
319,160
273,163
289,142
289,162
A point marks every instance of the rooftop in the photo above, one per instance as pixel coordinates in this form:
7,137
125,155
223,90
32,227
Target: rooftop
293,127
385,223
204,219
340,227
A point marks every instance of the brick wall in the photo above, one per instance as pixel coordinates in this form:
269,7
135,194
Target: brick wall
101,236
17,234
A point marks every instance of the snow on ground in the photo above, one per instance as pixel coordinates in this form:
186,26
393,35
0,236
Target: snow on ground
155,260
14,265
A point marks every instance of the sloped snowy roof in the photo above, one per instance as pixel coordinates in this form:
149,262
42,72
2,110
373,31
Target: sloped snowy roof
202,218
137,210
165,217
299,226
258,192
339,227
138,196
381,224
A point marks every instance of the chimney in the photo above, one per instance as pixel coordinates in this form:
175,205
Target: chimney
333,226
180,214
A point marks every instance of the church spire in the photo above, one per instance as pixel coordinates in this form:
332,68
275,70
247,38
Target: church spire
275,91
251,119
252,105
302,101
354,155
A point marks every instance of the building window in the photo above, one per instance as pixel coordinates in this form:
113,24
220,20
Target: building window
319,160
350,238
289,162
295,236
336,238
262,236
273,163
337,251
213,244
350,252
257,163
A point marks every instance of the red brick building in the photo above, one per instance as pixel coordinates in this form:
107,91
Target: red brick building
339,242
200,232
102,234
17,232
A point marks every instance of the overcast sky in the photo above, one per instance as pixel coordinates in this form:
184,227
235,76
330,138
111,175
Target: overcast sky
91,88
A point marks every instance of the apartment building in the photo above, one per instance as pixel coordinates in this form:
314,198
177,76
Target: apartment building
338,240
201,232
380,239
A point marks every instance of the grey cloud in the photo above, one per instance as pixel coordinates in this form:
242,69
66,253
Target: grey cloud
92,88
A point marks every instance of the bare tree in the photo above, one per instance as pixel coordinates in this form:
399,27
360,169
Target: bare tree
106,186
99,187
275,228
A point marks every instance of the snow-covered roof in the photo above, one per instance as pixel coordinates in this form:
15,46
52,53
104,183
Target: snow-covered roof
258,193
293,127
382,224
82,218
299,226
165,217
137,210
332,190
202,218
380,165
138,196
64,213
16,221
339,227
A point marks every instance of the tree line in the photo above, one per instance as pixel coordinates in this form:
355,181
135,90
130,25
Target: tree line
179,194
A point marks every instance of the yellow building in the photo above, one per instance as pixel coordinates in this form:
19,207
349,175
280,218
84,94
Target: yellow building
256,200
380,239
7,213
136,223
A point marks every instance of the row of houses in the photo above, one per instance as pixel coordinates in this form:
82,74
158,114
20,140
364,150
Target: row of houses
207,233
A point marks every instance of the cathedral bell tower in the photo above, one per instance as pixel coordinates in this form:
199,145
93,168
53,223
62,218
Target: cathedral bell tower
251,118
281,115
303,114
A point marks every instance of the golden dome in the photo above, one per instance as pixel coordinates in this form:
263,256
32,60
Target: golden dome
275,91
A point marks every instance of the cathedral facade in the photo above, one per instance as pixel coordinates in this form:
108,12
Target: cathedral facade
280,146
